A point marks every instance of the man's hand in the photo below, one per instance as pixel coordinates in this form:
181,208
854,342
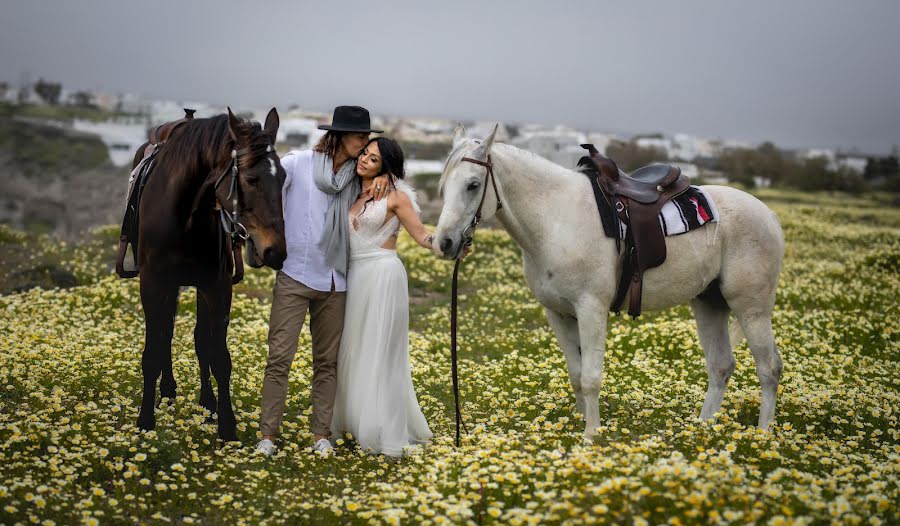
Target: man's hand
381,185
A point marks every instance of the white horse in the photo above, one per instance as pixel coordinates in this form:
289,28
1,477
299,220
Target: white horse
572,267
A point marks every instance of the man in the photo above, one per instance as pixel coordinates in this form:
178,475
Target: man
320,186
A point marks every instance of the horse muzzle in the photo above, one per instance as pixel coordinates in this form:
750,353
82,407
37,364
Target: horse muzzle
450,248
272,255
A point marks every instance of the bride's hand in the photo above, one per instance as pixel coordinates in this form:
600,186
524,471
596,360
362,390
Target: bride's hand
468,249
381,185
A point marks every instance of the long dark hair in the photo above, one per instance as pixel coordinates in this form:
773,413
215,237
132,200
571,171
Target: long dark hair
391,157
330,143
391,161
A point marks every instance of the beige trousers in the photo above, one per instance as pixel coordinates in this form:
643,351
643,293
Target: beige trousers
291,301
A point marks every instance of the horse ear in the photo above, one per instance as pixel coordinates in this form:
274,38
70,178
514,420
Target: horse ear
485,147
233,124
459,133
272,122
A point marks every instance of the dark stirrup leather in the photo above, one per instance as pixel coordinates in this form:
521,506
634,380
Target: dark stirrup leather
638,200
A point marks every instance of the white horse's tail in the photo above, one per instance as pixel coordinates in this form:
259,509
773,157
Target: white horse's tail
735,334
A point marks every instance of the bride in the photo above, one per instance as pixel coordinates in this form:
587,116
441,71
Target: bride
375,399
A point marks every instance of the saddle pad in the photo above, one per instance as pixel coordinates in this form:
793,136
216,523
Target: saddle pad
692,209
685,212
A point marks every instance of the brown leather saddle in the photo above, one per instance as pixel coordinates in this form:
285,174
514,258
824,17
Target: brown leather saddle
159,135
638,199
129,232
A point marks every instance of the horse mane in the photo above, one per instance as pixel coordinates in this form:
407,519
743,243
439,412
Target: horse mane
203,144
196,149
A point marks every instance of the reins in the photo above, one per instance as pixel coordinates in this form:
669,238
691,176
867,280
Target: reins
231,221
467,236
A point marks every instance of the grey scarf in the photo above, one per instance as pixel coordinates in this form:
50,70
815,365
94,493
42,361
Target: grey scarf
343,188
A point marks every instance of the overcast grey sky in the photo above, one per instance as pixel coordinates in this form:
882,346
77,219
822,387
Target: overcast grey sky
800,73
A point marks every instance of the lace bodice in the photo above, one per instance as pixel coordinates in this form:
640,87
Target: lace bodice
368,228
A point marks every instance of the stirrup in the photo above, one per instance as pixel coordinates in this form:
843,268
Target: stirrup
120,260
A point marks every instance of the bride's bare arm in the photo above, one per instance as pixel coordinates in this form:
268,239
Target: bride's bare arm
400,204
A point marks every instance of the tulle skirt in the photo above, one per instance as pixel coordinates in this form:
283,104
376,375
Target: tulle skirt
375,399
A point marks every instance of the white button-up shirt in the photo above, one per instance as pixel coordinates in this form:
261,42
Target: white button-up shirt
305,207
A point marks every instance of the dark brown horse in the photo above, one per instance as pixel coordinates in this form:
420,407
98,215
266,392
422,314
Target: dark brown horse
210,175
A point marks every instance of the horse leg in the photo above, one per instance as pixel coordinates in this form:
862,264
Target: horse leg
218,298
167,385
203,347
758,331
592,332
159,302
566,329
712,326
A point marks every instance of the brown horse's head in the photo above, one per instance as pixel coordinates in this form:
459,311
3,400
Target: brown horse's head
259,181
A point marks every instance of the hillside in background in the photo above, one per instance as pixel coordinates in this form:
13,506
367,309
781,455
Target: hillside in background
54,179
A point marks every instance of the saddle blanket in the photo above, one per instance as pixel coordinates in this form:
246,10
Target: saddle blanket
688,211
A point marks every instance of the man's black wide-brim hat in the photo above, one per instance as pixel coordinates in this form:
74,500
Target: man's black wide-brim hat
350,119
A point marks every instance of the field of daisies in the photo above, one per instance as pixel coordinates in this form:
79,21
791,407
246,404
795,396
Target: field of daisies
70,387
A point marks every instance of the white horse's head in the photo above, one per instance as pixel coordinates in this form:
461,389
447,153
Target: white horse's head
464,185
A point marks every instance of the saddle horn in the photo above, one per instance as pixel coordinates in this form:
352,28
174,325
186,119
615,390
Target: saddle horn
608,167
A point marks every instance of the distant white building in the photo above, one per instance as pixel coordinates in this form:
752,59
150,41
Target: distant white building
680,147
415,167
162,111
824,153
659,143
10,94
734,143
688,169
122,136
762,182
854,164
600,141
421,130
482,129
708,148
560,145
837,162
686,147
302,133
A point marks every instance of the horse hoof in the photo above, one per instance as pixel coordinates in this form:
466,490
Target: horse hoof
146,423
208,403
228,435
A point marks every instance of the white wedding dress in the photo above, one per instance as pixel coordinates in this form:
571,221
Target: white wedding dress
375,399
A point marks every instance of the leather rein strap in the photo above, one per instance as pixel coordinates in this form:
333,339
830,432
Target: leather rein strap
468,235
231,221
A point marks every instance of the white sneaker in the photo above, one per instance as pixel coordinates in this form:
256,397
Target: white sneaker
323,446
266,447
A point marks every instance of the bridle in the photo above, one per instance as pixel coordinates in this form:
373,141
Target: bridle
231,221
466,241
469,231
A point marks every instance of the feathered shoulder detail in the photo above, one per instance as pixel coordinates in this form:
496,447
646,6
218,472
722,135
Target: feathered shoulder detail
410,192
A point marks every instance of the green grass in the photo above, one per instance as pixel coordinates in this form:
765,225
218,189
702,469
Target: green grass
70,387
